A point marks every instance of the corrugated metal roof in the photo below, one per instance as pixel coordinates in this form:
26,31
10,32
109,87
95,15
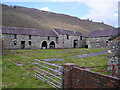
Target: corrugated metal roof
103,33
67,32
27,31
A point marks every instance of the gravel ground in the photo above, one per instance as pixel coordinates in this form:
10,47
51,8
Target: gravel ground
91,54
53,59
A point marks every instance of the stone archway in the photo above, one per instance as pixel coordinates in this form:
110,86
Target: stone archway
44,45
52,45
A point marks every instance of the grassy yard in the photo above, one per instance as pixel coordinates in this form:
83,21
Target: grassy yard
22,76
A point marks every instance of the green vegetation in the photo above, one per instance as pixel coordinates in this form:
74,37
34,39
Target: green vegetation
18,16
22,76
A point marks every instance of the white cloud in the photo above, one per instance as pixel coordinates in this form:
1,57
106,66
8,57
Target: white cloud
45,9
59,0
101,10
115,14
41,0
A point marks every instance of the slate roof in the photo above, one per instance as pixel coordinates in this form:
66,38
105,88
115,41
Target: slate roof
104,33
116,37
67,32
27,31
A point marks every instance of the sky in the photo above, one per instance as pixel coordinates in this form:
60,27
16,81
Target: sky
96,10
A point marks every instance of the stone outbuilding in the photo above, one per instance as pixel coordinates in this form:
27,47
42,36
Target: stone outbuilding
100,38
26,38
70,39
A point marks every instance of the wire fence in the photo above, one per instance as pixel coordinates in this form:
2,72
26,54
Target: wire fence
112,69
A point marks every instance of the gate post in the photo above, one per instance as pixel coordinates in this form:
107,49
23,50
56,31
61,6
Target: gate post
67,75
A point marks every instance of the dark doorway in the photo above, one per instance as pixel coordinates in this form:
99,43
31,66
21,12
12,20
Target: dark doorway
52,45
86,46
44,45
22,44
75,43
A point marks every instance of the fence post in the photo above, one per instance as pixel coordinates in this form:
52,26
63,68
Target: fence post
113,69
35,64
118,70
67,75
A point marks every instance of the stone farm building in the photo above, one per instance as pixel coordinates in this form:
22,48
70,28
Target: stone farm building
25,38
100,38
70,39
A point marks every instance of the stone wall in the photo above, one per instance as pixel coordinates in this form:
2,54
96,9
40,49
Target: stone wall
114,57
97,42
36,41
0,46
0,42
69,43
76,77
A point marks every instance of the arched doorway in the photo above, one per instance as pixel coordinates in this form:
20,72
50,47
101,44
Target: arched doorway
44,45
52,45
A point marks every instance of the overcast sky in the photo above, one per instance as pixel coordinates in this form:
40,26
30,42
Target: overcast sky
97,10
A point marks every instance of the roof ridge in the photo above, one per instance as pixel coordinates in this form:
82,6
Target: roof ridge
32,31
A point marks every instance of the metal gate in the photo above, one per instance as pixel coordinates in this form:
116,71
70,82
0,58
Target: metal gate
48,72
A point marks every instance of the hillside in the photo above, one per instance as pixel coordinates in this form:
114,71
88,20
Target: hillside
33,18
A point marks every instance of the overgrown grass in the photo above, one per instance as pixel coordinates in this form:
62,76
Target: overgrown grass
22,76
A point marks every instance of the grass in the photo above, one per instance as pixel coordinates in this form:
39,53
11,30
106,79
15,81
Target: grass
22,76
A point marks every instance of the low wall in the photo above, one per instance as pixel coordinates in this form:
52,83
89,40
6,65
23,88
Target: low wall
76,77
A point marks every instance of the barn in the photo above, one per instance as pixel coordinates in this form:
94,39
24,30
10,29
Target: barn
100,38
70,39
26,38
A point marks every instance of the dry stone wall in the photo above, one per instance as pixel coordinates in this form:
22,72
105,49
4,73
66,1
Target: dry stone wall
114,57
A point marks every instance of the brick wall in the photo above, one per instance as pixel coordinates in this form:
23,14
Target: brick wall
76,77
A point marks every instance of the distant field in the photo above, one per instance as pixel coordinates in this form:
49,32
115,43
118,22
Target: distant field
22,76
